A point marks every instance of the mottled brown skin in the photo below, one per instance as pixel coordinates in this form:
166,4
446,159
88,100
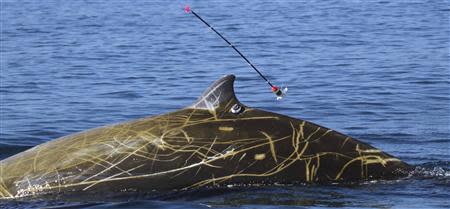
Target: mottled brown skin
202,145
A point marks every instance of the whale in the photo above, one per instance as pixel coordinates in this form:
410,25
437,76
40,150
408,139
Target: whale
215,142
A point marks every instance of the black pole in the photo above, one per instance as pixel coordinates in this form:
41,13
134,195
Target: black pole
235,49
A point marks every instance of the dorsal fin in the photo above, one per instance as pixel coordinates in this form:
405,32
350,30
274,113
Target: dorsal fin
219,95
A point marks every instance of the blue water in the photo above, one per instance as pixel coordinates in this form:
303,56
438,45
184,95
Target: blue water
375,70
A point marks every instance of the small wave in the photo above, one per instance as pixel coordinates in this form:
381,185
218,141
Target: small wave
121,95
9,150
440,169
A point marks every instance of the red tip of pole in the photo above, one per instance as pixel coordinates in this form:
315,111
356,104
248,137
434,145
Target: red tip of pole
274,88
187,9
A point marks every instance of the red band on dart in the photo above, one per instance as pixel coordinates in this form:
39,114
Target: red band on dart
274,88
187,9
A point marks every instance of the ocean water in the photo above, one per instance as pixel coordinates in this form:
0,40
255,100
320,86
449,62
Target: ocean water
375,70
